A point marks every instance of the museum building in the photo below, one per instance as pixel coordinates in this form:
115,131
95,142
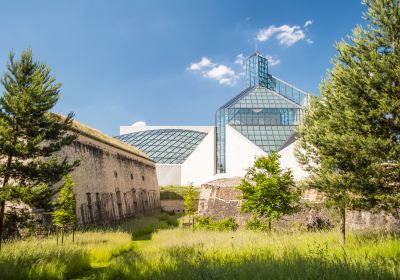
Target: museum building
260,119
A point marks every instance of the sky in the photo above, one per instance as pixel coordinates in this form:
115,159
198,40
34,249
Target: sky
170,62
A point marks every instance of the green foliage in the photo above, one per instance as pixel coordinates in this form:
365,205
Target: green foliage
256,223
65,215
319,223
190,200
268,191
30,137
227,224
175,192
349,139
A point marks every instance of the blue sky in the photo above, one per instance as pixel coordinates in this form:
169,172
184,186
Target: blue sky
127,61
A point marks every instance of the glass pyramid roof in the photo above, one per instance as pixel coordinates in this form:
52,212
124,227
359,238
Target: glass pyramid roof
261,97
167,146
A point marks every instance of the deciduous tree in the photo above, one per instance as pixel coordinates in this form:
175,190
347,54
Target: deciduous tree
269,191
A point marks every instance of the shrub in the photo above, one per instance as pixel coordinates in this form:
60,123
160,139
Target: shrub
256,224
204,222
227,224
319,223
163,217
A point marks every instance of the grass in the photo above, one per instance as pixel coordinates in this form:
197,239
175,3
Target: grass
144,227
176,192
159,251
181,254
42,258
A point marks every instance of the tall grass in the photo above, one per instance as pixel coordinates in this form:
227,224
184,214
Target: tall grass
143,227
179,254
42,258
168,253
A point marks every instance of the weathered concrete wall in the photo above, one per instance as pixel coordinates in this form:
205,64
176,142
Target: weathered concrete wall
113,181
220,199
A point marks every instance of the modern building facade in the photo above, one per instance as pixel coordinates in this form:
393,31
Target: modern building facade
260,119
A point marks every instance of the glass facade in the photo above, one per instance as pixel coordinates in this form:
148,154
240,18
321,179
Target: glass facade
257,71
168,146
267,112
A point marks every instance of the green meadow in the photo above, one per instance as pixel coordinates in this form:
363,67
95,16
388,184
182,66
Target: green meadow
155,248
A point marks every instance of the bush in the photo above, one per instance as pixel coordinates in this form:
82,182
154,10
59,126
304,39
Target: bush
163,217
204,222
318,224
257,224
227,224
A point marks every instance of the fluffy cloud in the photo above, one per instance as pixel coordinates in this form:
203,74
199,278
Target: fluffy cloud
203,63
272,61
219,72
285,34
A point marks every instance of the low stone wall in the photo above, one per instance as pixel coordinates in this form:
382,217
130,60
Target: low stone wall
220,199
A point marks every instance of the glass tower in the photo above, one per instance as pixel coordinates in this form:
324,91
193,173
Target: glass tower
267,112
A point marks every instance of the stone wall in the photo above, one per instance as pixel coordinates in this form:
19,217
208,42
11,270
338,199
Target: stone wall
220,199
113,181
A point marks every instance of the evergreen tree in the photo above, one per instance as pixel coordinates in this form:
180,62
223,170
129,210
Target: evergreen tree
189,200
350,138
30,136
268,191
65,214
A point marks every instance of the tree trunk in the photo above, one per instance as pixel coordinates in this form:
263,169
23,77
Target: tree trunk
343,226
269,226
3,203
2,208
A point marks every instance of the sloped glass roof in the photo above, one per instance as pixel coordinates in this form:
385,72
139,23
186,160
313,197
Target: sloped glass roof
268,138
261,97
267,115
168,146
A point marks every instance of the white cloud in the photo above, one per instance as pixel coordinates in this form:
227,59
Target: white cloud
223,74
219,72
285,34
203,63
308,22
272,61
240,59
139,123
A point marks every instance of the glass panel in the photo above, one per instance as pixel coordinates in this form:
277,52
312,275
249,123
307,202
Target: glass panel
170,146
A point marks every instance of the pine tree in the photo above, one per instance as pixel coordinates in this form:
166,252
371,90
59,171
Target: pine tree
65,214
350,138
30,136
268,191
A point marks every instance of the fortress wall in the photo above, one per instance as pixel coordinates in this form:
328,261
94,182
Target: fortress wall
220,199
113,181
